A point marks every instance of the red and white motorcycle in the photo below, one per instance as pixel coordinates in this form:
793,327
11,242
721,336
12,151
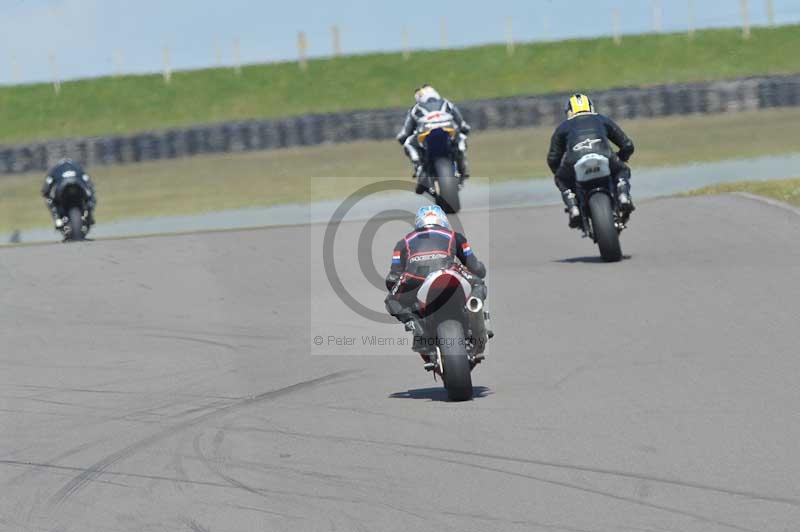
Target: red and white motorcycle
454,322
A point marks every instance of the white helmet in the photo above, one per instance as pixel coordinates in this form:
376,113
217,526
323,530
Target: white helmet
425,93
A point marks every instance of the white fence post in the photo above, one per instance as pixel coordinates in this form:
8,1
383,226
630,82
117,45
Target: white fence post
237,57
745,20
443,31
770,13
336,35
657,27
509,37
16,70
167,66
616,28
546,27
302,48
117,60
54,72
406,44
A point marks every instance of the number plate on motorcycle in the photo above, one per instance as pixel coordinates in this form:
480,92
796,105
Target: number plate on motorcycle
592,166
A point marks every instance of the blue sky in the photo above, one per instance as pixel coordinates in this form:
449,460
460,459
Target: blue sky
98,37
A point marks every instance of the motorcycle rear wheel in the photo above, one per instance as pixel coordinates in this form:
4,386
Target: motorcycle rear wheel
605,231
448,198
456,370
75,224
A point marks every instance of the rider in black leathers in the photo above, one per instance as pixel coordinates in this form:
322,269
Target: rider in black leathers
582,133
66,168
433,245
428,100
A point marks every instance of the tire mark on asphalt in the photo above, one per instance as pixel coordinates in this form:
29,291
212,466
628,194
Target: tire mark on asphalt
239,485
80,481
121,474
507,521
231,463
66,454
176,464
193,339
194,527
544,463
594,491
263,511
263,493
60,389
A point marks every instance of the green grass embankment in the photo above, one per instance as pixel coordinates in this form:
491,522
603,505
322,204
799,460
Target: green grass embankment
785,190
134,103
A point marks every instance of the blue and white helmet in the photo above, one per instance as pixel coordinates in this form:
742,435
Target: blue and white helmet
431,215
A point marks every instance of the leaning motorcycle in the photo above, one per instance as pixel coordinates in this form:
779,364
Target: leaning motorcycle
72,197
454,324
437,134
602,219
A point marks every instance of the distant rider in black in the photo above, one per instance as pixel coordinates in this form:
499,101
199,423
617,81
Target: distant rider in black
582,133
432,246
66,168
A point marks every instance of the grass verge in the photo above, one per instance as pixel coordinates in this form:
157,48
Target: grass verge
209,183
786,190
134,103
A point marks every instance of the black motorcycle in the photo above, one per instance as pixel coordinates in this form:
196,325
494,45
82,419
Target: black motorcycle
72,198
437,134
602,218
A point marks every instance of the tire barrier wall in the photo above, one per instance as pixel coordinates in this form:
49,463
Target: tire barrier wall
310,130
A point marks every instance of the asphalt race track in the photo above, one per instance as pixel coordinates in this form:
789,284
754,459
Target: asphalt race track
172,383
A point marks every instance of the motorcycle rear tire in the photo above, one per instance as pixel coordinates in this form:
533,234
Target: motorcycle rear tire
456,370
605,231
75,224
448,198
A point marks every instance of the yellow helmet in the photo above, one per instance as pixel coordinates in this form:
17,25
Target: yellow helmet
578,103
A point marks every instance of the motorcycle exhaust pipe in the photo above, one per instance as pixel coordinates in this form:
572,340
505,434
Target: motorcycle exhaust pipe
474,304
477,323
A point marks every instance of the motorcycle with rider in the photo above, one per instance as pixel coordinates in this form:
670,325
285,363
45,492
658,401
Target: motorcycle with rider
71,199
593,179
436,290
434,138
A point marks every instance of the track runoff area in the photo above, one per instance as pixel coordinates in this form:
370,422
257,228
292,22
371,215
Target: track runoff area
174,383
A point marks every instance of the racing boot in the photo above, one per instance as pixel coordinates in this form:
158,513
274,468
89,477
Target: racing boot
487,320
58,221
419,344
425,184
462,165
572,209
624,198
418,173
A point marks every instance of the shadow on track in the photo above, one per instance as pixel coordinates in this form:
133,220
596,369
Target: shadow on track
593,259
438,393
